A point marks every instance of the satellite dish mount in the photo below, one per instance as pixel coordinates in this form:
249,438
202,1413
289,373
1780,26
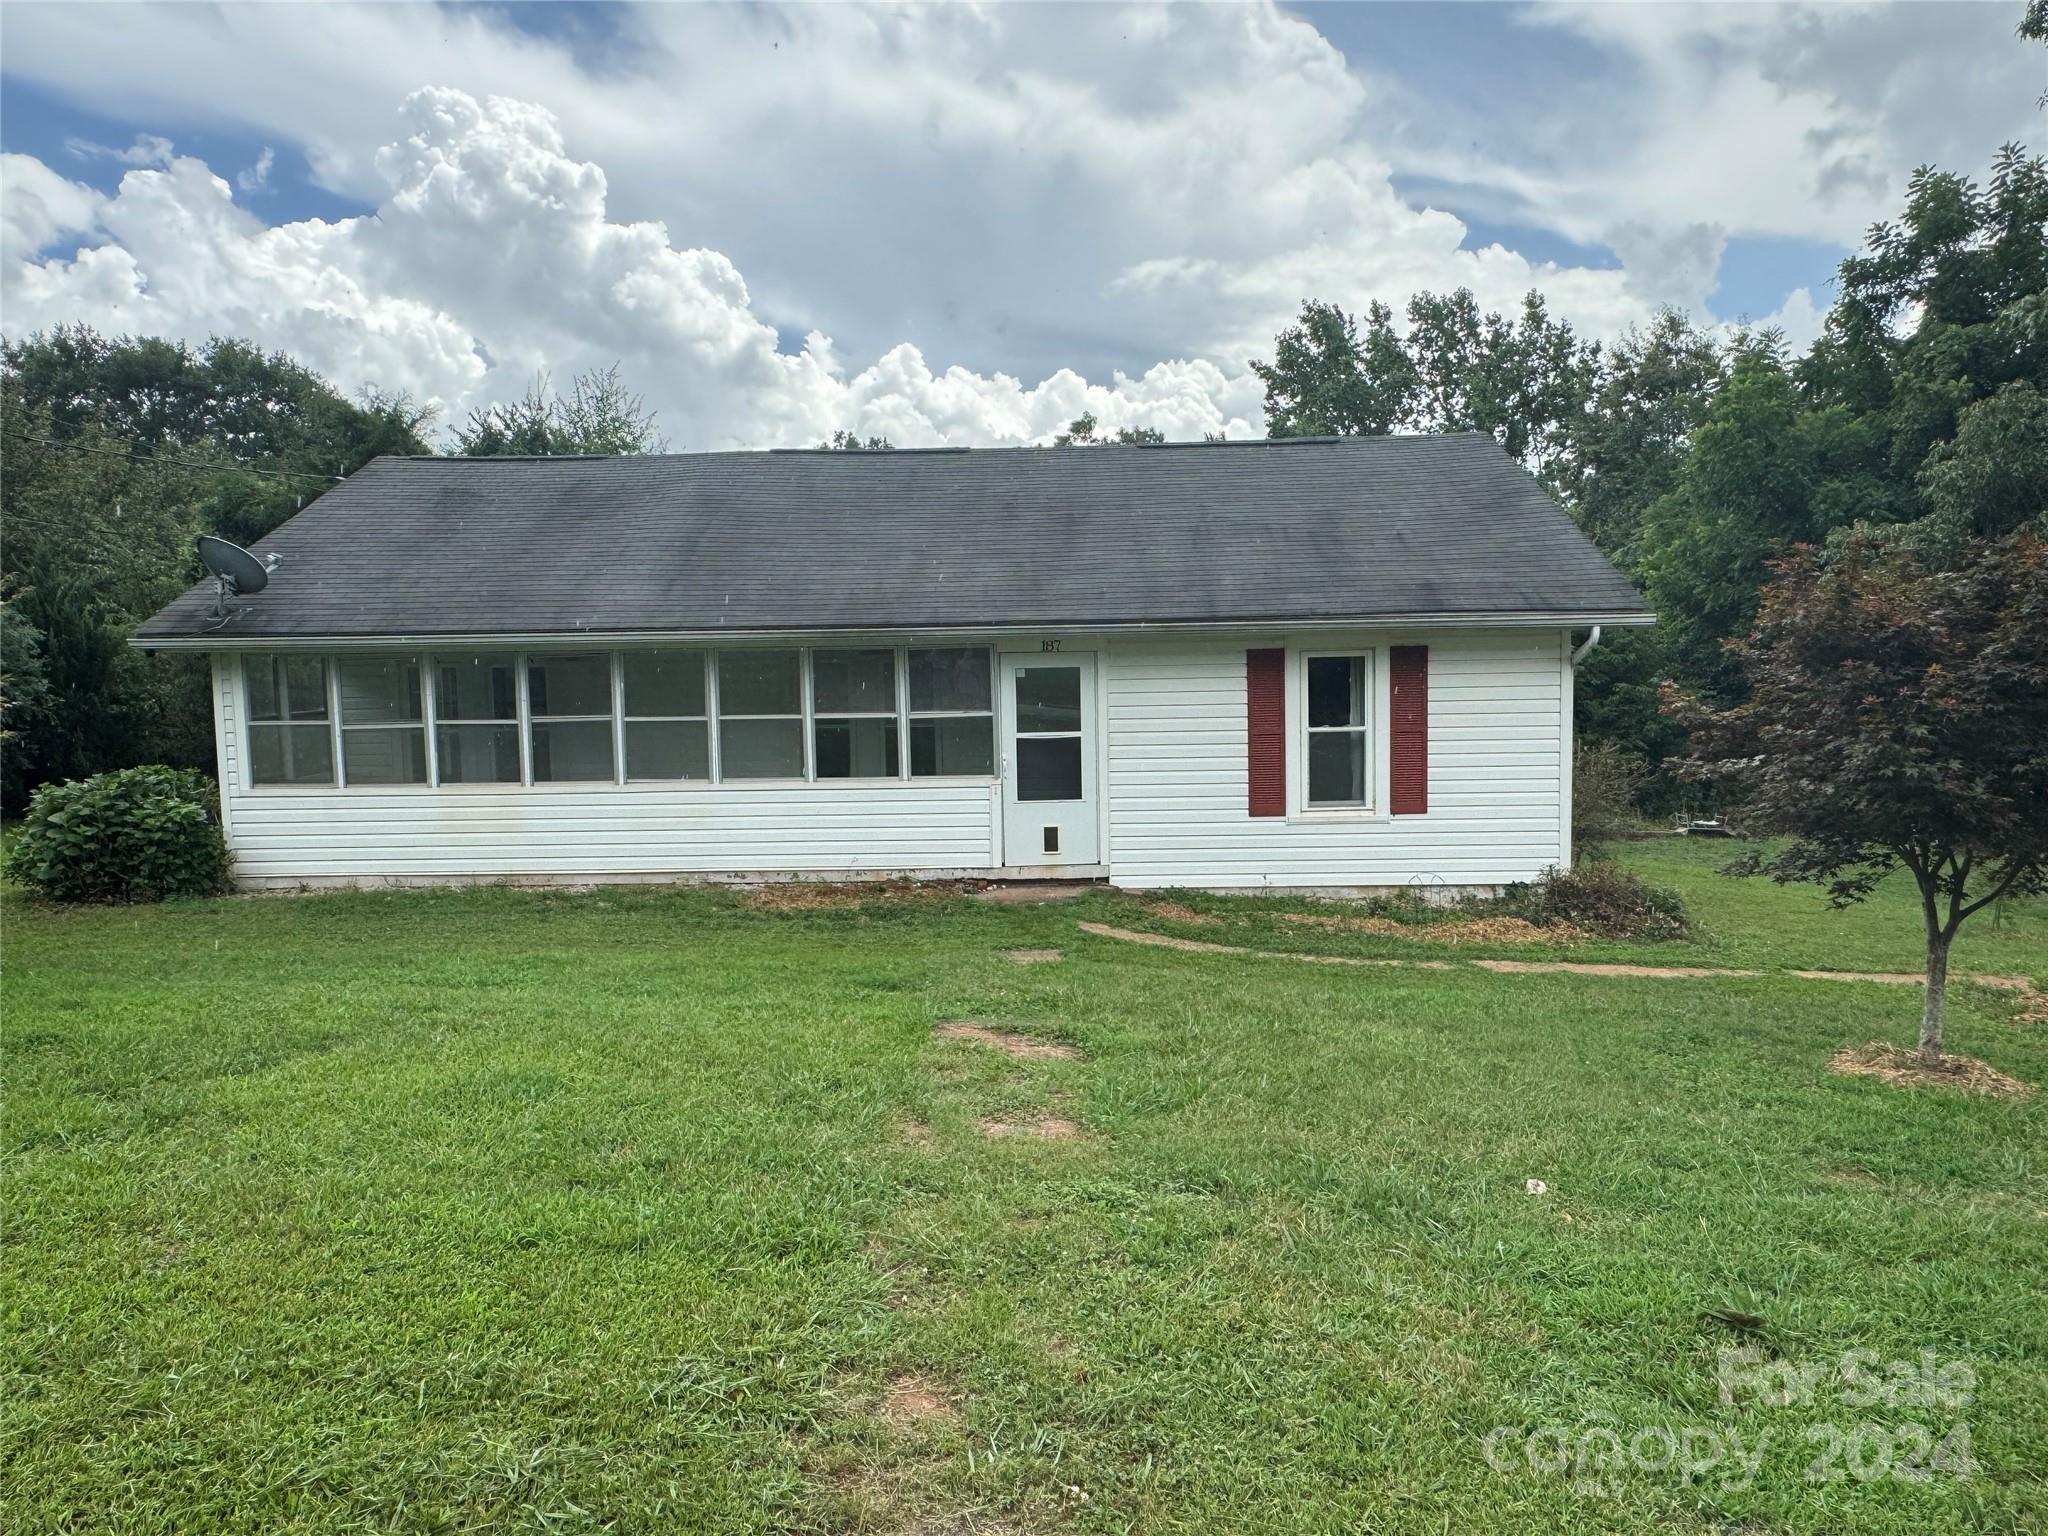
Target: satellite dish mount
236,572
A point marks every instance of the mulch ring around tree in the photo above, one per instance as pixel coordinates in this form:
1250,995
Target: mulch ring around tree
1903,1068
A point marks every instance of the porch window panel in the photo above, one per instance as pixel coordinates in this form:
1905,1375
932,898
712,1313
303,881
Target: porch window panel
855,733
383,754
291,738
477,754
291,754
863,747
951,680
287,687
667,725
854,682
476,718
761,748
760,683
951,698
383,720
960,746
760,715
664,685
569,699
668,749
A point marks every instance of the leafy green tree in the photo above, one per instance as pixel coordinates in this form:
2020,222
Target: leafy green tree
1081,433
273,433
1527,381
1764,472
1989,480
1941,309
853,442
118,453
24,695
97,538
1329,379
1897,717
599,416
1651,394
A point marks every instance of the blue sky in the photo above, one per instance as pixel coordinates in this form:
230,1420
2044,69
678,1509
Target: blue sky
944,224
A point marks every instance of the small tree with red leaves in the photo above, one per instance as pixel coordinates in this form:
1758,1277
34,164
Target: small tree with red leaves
1898,716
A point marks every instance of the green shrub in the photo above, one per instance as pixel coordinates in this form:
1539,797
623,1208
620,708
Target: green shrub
1605,782
1601,897
136,834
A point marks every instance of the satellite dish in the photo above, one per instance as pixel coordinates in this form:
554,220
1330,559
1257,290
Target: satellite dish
236,572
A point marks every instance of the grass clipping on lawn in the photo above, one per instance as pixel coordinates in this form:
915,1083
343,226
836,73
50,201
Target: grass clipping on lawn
1903,1068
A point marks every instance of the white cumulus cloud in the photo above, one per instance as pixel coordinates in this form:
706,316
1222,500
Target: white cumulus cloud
492,256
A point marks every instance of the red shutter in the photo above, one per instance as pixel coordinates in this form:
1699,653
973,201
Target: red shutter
1408,752
1265,698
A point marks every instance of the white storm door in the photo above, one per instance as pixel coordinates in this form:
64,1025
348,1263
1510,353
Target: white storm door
1049,788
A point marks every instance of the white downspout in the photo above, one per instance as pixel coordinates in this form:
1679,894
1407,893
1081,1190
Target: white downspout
1591,640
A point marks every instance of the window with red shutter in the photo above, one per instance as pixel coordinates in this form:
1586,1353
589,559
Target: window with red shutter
1265,678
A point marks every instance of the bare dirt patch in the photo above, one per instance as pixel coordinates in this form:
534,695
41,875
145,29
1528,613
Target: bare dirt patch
1039,1127
1010,1042
911,1399
1180,912
819,896
1476,930
1576,968
914,1133
1030,893
1902,1068
1033,956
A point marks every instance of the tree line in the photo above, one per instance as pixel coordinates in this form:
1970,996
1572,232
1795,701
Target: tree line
118,453
1695,458
1918,421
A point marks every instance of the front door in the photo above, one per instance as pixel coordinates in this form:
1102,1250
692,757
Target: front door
1049,760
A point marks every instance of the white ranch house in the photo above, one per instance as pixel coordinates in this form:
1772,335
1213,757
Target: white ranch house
1332,665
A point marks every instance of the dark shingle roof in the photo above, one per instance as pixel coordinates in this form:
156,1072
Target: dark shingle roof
1324,529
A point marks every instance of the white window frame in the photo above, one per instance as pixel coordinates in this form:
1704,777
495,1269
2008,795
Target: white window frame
1373,730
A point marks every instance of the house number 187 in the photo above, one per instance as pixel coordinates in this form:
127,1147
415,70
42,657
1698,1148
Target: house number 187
1048,645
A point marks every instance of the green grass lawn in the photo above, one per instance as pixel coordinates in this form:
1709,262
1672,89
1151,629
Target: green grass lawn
624,1210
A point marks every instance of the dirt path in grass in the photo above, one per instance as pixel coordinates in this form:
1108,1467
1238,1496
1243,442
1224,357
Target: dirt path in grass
2036,1000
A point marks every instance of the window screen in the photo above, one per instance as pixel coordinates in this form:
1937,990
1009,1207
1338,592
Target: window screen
952,712
291,739
569,699
760,715
668,734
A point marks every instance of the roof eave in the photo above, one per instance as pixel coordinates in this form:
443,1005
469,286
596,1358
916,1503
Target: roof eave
1541,619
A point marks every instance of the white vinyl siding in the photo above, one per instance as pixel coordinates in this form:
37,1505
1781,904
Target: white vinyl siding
1178,777
1172,728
